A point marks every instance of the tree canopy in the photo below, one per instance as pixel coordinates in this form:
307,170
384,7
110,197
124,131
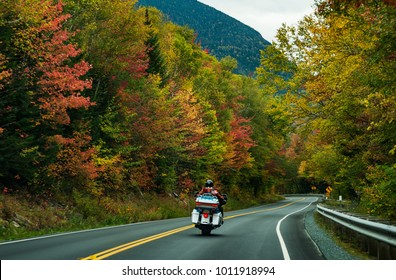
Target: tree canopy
341,95
108,99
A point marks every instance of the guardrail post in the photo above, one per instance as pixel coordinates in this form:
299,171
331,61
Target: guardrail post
372,247
393,253
363,240
383,251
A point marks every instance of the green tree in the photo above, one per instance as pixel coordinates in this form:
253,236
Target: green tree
340,89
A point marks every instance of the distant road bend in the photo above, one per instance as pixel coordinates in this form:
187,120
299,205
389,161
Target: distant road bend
272,232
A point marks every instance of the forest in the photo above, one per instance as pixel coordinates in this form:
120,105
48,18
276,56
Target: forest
105,107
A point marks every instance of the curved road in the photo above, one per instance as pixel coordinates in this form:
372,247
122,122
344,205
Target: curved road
272,232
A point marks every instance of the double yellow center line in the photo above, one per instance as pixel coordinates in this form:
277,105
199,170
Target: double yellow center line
130,245
127,246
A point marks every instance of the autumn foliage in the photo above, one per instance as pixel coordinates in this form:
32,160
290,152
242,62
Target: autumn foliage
108,99
340,92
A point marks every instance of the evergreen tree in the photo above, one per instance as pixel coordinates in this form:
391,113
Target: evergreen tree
156,59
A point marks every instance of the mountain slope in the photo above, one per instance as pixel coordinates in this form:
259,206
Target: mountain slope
221,34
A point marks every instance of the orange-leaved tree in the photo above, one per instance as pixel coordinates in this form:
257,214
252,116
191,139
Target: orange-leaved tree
45,84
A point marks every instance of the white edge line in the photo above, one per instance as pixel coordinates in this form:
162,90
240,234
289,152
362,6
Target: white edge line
285,252
91,230
75,232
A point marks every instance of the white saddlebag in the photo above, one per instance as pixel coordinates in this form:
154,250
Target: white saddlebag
195,216
217,217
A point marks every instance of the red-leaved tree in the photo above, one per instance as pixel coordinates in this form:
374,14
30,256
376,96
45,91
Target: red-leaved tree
239,142
60,82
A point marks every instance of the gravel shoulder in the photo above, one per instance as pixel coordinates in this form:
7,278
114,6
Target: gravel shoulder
325,243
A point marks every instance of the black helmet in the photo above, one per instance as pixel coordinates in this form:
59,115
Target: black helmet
209,183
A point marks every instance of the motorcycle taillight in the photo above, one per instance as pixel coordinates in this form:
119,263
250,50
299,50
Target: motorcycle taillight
206,215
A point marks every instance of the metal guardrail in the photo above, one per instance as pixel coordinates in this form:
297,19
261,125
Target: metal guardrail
380,232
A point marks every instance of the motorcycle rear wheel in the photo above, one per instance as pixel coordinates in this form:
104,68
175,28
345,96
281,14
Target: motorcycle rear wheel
205,231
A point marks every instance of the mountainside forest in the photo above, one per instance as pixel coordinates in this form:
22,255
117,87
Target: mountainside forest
217,32
106,106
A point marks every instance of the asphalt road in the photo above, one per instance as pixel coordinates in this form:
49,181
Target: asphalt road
270,232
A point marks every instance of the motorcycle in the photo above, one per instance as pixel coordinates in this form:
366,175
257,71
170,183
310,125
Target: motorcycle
207,215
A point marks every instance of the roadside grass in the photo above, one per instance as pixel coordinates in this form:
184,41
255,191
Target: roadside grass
359,208
23,216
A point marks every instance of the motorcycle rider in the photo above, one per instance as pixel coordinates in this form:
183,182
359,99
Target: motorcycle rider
209,188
